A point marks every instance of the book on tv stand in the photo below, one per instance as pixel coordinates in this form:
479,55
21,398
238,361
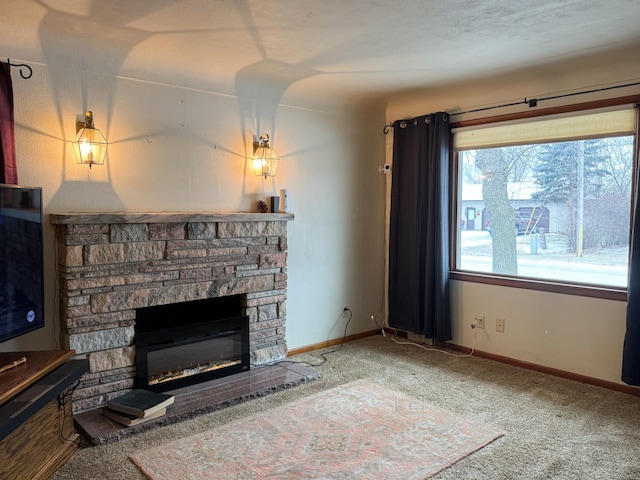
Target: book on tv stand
140,403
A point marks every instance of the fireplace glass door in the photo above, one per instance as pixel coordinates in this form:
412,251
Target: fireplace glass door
174,358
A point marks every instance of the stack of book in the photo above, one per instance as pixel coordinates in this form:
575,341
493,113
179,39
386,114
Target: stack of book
137,406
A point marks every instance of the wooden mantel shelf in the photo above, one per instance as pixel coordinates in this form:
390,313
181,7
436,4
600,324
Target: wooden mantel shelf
165,217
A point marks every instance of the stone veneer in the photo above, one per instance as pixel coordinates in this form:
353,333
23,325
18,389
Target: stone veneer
111,264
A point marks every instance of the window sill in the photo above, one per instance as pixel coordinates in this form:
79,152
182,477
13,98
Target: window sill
608,293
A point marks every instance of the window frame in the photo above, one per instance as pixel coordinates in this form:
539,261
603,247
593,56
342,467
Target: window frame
566,288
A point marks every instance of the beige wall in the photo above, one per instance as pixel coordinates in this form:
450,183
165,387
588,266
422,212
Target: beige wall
570,333
176,148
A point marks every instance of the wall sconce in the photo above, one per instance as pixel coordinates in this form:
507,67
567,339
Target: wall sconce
265,159
89,146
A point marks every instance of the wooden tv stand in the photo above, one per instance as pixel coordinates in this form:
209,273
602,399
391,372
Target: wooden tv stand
37,435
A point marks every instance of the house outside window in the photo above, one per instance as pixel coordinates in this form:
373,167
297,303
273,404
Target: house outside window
547,200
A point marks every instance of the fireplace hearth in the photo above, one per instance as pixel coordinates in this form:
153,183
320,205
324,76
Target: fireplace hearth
186,343
200,399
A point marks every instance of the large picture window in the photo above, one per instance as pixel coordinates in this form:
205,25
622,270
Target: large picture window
547,200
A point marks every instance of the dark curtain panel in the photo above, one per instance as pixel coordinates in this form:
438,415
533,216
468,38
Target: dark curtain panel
8,169
419,229
631,349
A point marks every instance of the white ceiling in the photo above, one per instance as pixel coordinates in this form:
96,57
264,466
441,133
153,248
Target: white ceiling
337,47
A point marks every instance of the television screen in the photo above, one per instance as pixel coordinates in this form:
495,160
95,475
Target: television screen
21,261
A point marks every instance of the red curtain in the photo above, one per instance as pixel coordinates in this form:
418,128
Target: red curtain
8,168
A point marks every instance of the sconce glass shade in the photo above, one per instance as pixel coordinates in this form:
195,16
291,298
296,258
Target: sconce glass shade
265,159
89,146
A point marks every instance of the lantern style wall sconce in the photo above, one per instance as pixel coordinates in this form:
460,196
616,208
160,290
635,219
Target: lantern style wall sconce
265,159
89,146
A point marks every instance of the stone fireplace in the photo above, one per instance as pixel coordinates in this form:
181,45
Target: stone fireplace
111,265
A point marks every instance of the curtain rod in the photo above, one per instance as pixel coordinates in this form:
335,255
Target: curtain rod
21,66
532,102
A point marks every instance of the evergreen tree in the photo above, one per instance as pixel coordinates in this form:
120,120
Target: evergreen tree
557,175
556,170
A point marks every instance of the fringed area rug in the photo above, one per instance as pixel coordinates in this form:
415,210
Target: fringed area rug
356,431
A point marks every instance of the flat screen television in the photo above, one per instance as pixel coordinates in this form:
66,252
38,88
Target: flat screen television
21,261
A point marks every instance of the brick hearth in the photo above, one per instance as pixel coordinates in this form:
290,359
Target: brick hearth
111,264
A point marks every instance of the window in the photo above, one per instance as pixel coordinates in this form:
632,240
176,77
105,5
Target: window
547,200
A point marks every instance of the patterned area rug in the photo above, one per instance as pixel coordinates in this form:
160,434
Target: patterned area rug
356,431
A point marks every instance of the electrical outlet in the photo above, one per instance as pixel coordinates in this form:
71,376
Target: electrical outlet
345,310
500,325
479,321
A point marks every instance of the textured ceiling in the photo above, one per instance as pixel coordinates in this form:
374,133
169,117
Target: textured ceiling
336,47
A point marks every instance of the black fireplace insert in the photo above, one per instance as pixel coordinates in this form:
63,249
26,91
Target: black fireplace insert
186,343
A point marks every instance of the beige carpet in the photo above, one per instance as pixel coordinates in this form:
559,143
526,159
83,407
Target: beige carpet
555,428
358,431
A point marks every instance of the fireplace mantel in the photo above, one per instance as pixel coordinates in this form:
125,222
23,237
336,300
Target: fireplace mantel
165,217
111,264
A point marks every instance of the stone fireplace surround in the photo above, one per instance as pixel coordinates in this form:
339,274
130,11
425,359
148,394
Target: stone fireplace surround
111,264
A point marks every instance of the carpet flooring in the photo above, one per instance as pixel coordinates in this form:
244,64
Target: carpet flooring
555,428
359,431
